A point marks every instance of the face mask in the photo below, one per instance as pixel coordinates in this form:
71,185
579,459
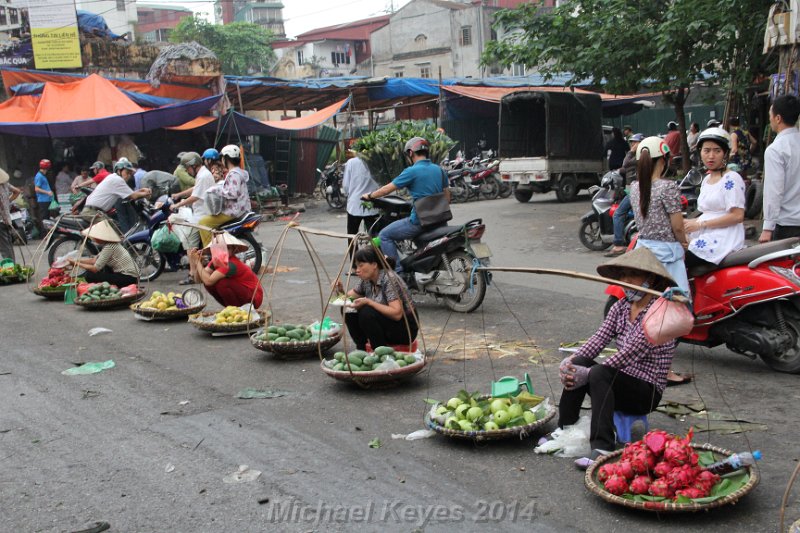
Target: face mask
632,295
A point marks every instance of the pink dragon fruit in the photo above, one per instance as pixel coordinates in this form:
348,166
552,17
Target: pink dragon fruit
643,461
691,492
681,476
660,487
705,480
678,451
662,469
656,440
640,484
631,449
606,471
625,469
616,485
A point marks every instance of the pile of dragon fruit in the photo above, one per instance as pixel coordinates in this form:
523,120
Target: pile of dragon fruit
660,464
56,277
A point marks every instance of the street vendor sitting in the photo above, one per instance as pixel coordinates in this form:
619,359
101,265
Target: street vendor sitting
113,264
384,312
632,380
229,281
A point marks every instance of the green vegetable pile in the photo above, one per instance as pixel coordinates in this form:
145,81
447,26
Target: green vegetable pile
15,273
101,291
288,333
471,412
382,150
361,361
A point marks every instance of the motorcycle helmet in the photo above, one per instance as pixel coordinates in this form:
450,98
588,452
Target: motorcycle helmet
612,179
655,145
672,125
191,159
712,123
716,135
122,164
636,138
97,165
45,164
417,144
212,154
231,151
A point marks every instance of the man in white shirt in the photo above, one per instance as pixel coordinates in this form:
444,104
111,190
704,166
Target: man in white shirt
782,172
112,189
204,179
356,182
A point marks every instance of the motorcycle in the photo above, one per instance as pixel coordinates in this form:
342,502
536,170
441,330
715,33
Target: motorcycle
475,181
22,224
442,260
330,185
750,302
597,226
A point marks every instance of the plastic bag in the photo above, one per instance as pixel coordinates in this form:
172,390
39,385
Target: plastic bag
571,441
389,364
165,240
61,262
219,251
329,327
667,320
129,289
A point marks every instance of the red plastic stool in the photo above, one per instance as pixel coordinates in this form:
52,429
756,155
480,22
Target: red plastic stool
398,347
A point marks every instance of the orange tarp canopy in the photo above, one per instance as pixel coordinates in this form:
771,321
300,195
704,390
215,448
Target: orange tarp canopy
19,109
308,121
90,98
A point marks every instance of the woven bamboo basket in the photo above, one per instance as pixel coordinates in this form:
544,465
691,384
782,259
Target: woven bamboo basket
165,314
517,432
294,350
57,294
597,488
112,303
201,322
377,378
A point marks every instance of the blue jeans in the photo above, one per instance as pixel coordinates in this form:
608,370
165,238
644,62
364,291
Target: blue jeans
620,216
398,230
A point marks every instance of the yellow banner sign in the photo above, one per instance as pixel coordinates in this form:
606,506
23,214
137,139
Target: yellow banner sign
56,47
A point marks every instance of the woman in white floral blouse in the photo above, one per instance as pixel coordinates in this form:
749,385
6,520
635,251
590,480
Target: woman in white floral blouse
232,189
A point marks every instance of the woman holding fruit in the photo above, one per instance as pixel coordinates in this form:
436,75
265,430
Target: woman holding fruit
383,312
632,380
113,264
227,279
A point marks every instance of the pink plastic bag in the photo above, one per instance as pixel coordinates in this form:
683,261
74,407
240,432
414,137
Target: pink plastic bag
219,251
667,320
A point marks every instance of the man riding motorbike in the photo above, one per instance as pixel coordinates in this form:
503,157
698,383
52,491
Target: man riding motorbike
113,188
423,178
187,169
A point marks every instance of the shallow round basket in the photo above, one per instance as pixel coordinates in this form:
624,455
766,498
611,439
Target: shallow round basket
57,294
112,303
667,506
198,321
377,378
294,350
517,432
165,314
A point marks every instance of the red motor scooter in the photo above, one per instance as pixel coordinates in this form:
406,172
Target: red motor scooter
750,302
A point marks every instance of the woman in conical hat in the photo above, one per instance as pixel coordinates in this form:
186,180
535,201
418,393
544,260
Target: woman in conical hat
227,279
632,380
114,263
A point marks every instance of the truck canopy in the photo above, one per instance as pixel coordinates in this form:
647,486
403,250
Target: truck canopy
555,125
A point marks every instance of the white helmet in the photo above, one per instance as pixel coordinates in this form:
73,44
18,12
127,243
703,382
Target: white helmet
716,135
655,145
231,151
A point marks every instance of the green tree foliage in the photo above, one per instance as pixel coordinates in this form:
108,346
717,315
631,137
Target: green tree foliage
241,47
630,45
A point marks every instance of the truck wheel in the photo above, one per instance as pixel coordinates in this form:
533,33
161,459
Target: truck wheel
567,188
522,195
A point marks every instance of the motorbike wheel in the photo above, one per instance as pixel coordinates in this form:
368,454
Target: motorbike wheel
490,188
609,304
523,195
64,245
150,261
253,252
567,188
467,301
590,237
505,189
753,198
789,360
335,200
459,192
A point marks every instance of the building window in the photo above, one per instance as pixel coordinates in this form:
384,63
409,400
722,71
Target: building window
340,58
517,69
14,15
398,73
466,36
299,57
120,5
3,20
425,72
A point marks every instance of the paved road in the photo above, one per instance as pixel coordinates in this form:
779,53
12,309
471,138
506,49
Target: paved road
123,446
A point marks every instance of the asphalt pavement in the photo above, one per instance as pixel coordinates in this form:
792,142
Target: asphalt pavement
146,446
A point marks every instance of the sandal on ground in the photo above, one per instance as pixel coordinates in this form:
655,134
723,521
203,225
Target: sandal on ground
683,379
544,439
585,462
615,253
187,281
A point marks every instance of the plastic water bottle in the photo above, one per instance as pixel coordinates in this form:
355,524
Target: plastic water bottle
735,462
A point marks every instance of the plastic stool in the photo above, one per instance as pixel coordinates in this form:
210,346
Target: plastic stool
624,422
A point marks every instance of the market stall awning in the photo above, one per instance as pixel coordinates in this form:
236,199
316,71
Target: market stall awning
235,122
88,107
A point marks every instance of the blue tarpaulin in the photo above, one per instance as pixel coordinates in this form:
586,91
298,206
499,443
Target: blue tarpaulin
95,25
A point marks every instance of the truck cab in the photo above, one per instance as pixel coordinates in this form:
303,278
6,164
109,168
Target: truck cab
551,140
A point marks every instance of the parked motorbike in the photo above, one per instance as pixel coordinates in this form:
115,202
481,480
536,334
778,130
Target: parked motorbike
441,261
22,224
597,226
474,181
750,302
330,185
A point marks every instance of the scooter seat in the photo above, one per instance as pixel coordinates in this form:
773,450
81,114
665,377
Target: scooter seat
76,221
745,255
435,233
237,221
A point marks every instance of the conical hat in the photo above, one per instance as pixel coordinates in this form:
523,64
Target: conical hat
639,259
234,244
102,231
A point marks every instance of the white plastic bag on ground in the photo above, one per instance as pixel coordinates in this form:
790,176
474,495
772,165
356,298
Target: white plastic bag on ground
572,441
61,262
98,331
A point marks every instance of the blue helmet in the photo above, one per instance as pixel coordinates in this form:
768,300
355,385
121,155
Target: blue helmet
212,154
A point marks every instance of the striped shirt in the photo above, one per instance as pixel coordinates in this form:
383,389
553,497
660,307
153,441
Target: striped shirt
388,289
635,357
116,257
